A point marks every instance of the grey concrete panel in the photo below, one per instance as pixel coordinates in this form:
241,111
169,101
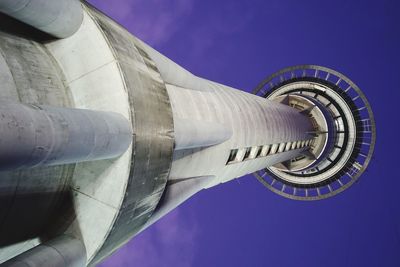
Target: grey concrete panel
8,90
31,199
59,18
41,135
37,77
153,136
64,251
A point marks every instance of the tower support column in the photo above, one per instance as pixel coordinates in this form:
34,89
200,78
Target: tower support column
41,135
64,251
59,18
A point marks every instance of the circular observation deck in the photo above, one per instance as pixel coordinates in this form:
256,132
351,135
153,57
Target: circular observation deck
343,137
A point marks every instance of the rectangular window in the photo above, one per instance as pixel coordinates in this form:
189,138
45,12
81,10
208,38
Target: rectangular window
265,150
294,145
288,146
259,151
298,145
232,156
240,154
281,147
247,153
311,142
303,143
274,149
253,152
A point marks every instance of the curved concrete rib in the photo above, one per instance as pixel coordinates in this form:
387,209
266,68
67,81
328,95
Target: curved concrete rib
41,135
64,251
59,18
192,134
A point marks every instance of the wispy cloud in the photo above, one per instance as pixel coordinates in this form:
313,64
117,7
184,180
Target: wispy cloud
157,22
154,21
216,29
157,246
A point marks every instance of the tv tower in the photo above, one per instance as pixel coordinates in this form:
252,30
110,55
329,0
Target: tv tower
101,135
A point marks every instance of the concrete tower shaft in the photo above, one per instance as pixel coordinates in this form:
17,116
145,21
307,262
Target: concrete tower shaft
133,135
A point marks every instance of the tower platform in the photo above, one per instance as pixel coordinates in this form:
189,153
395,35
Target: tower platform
344,132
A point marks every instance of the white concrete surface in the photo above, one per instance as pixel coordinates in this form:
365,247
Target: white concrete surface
96,82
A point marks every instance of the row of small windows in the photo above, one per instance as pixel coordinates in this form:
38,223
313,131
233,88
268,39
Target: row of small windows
242,154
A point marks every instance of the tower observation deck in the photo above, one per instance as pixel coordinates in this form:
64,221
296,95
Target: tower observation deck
344,132
101,135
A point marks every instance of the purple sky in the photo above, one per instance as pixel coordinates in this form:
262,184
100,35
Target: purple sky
239,43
